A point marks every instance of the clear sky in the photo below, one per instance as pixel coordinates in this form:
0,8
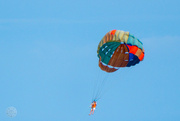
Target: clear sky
48,60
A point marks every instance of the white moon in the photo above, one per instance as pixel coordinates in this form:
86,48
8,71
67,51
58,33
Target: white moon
11,111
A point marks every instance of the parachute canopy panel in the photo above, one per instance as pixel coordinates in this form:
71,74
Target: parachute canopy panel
119,49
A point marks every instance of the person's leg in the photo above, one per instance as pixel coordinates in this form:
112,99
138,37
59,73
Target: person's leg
90,112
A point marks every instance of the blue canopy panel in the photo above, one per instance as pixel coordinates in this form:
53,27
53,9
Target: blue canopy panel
133,60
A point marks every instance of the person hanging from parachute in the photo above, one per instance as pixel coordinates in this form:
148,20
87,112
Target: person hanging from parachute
93,107
117,49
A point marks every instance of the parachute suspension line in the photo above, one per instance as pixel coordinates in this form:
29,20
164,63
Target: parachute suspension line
104,91
95,85
101,87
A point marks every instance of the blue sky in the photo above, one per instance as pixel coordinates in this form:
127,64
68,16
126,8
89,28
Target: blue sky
49,63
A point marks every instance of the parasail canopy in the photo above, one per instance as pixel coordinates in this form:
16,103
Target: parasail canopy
119,49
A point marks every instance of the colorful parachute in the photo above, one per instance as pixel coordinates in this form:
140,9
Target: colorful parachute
119,49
